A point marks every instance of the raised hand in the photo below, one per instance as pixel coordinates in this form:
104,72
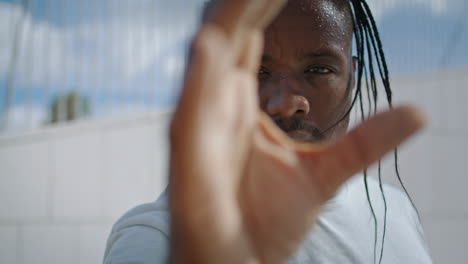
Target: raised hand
241,191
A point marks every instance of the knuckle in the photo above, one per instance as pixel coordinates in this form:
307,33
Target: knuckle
206,44
200,46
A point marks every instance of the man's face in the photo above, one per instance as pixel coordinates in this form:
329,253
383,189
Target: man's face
307,71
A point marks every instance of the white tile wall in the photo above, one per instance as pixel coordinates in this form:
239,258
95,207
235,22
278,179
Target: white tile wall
8,244
416,162
78,176
448,238
458,107
51,244
159,156
24,170
92,242
126,158
62,188
450,177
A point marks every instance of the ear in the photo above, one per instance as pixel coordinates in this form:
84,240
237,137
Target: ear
352,74
355,60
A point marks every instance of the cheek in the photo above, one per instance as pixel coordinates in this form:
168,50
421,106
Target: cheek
264,93
327,93
328,101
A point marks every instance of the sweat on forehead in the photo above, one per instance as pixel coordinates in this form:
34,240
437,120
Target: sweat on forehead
336,11
332,12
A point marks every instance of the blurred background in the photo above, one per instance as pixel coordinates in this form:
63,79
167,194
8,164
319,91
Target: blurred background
86,93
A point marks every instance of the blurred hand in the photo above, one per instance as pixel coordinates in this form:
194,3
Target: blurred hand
241,191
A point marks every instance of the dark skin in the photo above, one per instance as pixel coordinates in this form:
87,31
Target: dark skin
306,86
241,190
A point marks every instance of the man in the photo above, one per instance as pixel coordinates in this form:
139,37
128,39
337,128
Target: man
243,191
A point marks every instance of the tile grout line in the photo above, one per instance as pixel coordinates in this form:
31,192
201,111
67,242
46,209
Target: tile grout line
103,171
19,243
51,180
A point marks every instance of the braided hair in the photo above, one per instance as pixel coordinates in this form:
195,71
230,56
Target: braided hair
370,53
368,43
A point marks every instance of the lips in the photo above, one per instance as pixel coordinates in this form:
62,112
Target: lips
299,129
300,135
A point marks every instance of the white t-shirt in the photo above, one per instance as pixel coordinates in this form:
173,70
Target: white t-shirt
344,233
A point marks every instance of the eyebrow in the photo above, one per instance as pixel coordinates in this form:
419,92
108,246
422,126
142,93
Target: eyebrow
266,58
320,53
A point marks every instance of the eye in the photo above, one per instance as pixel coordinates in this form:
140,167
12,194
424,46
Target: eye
263,73
319,70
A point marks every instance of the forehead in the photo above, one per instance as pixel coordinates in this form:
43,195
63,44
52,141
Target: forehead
309,24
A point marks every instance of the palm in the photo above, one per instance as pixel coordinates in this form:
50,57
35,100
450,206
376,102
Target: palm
234,176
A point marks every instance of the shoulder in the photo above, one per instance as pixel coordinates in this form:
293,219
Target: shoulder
356,196
153,215
356,191
345,229
141,235
403,228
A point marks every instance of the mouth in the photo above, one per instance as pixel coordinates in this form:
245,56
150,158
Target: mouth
301,135
300,130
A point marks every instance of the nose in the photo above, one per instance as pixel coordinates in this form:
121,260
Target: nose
287,105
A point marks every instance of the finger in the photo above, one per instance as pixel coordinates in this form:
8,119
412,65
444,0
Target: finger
368,143
235,16
243,22
251,52
206,67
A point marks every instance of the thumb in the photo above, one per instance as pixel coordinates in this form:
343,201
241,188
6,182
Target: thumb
337,162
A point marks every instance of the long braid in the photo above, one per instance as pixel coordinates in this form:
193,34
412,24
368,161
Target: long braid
368,36
368,43
360,47
366,185
369,40
381,57
365,28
